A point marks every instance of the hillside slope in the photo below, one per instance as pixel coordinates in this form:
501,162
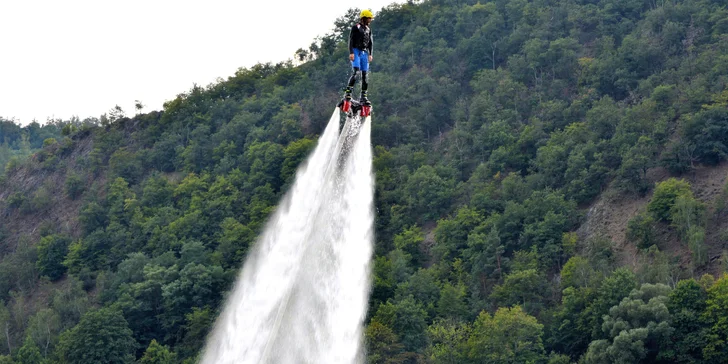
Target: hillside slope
514,142
610,214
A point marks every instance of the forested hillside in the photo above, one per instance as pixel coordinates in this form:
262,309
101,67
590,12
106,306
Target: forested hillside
497,126
18,142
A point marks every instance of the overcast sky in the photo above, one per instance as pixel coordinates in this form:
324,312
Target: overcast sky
83,57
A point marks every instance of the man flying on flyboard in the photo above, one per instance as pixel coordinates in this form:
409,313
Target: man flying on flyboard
360,54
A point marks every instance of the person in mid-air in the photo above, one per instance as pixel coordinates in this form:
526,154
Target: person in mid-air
360,54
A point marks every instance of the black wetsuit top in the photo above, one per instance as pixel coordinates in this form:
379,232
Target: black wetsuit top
360,37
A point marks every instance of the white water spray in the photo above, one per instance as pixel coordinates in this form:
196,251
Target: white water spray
302,294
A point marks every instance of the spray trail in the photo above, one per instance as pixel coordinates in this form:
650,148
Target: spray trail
301,296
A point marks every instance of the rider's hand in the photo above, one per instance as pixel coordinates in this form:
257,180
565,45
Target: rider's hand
370,58
351,57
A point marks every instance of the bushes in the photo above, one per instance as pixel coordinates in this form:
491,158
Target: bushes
39,201
664,197
640,229
17,201
125,164
12,165
74,186
52,249
704,139
49,141
708,132
673,202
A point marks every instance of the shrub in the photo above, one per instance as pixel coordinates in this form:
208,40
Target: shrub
640,229
686,213
708,132
12,165
126,165
52,249
66,146
17,200
68,129
664,197
74,185
41,200
49,141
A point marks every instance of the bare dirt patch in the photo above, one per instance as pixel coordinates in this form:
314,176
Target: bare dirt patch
609,215
61,212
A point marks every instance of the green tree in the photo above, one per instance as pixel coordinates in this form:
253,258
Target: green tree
687,213
74,185
664,197
451,304
640,229
382,343
125,164
613,289
70,302
407,318
688,216
579,273
5,325
234,242
263,161
156,191
409,241
198,285
716,314
29,353
92,217
383,281
197,155
632,174
102,336
687,304
451,235
141,298
708,132
696,244
485,256
581,315
636,327
44,328
449,341
509,336
525,288
197,324
52,250
293,154
158,354
604,117
424,287
427,193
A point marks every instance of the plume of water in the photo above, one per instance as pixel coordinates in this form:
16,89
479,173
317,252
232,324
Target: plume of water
301,296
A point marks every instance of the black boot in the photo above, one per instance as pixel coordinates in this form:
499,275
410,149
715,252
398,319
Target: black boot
363,99
347,93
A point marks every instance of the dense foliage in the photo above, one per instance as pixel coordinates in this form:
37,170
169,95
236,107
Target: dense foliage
17,142
495,124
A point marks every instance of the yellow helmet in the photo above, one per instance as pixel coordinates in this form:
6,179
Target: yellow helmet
366,13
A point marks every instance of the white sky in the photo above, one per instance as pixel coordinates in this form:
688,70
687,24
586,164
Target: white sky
60,58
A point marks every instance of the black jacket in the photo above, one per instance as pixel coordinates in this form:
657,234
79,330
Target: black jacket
361,37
